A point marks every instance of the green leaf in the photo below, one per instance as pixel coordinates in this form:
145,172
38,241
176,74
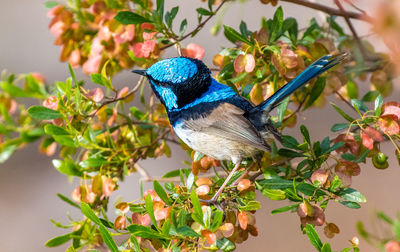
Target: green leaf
316,91
225,244
290,25
342,113
285,209
340,126
289,142
381,215
51,4
196,205
136,245
88,212
370,96
361,230
282,109
313,236
174,173
182,27
351,194
277,23
150,209
335,184
306,135
289,153
187,231
274,194
64,140
68,167
101,80
309,189
51,129
275,183
352,89
67,200
43,113
6,152
92,162
251,206
359,105
326,247
378,105
217,220
204,12
57,241
145,232
108,240
161,192
234,36
128,17
350,204
348,157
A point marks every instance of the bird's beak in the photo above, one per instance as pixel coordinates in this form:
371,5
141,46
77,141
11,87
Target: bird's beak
141,72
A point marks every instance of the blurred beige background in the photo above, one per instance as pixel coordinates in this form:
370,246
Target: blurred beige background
29,183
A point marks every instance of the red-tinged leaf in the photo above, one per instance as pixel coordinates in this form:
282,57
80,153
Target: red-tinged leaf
193,51
239,63
243,221
96,94
250,63
243,184
344,178
348,167
391,108
120,222
374,134
367,141
227,229
202,190
320,175
256,94
388,124
210,236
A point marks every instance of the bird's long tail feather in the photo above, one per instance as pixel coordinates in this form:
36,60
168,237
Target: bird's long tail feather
318,67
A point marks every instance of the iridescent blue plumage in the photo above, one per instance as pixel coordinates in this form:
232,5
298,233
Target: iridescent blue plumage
174,70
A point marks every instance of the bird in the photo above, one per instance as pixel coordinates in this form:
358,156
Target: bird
211,118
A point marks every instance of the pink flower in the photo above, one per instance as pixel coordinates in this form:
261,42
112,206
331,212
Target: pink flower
148,35
143,50
193,51
104,32
92,64
75,58
57,28
392,246
51,102
108,186
96,47
54,11
96,94
127,34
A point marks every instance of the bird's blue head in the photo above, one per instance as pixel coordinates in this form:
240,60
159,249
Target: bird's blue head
178,81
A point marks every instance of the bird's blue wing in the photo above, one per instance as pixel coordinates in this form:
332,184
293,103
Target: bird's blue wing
318,67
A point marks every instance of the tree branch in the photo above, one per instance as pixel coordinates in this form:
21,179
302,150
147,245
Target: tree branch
197,29
331,11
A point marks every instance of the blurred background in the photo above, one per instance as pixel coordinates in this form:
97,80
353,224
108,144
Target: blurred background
29,183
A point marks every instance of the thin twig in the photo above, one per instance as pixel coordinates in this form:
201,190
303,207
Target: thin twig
345,101
280,162
331,11
352,29
195,30
115,99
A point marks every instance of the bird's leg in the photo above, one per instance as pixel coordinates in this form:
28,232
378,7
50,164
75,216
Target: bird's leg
221,189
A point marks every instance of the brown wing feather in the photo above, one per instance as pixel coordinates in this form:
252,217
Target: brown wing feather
228,121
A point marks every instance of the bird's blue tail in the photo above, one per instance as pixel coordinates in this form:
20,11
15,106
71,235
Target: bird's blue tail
312,71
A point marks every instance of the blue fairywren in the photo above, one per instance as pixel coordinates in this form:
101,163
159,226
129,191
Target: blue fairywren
212,118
